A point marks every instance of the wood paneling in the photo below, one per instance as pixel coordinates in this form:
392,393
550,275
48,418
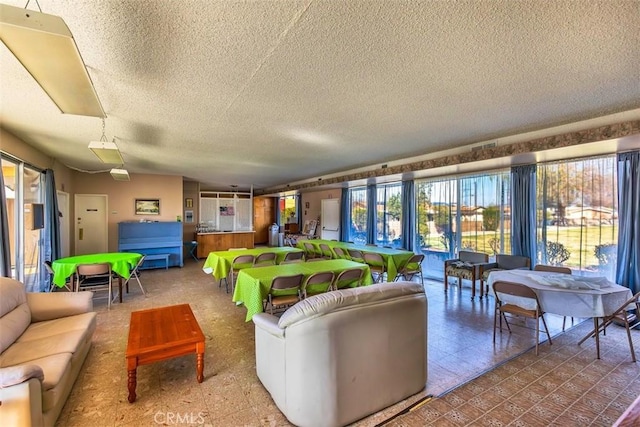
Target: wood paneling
212,242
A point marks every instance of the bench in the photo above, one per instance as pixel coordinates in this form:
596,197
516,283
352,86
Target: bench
164,257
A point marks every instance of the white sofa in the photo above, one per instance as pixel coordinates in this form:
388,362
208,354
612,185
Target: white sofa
44,340
337,357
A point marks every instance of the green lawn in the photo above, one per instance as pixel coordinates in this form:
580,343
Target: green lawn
579,241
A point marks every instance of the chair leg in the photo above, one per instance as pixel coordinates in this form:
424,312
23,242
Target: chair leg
446,279
537,334
140,284
544,323
633,353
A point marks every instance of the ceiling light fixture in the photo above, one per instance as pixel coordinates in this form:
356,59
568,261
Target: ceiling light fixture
119,174
106,151
45,47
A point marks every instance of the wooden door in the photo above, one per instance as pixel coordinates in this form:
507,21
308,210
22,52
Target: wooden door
91,224
263,216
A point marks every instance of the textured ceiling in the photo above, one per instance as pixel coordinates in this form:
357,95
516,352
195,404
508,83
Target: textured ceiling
265,93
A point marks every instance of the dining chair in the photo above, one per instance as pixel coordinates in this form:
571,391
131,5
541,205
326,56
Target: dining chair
317,283
292,257
135,274
95,277
526,305
623,316
284,291
340,253
325,251
350,278
356,255
555,269
465,267
265,259
411,268
238,263
309,250
48,267
376,265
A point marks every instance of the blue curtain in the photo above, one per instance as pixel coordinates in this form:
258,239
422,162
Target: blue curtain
345,218
523,211
5,250
628,262
299,210
408,215
372,210
51,233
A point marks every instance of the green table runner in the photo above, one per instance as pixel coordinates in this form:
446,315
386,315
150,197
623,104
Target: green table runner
393,258
121,263
219,263
252,285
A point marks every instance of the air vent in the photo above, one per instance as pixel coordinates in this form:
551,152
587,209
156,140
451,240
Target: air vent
484,146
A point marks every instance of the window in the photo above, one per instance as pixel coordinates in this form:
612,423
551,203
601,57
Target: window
389,214
577,215
357,211
288,210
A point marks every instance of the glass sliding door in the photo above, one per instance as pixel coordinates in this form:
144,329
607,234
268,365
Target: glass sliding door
23,190
578,215
462,213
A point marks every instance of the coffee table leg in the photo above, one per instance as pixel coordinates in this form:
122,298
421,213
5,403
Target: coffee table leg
131,384
200,362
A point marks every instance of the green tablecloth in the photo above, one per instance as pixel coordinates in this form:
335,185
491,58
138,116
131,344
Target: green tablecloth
393,258
219,263
121,263
252,285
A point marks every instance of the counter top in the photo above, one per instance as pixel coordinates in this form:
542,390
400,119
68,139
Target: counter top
224,232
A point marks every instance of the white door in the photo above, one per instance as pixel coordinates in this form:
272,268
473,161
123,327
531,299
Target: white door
330,219
65,223
91,224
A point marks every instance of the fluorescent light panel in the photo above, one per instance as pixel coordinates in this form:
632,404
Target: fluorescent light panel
107,152
45,47
119,174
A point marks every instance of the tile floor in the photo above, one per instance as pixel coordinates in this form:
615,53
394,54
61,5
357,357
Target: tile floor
473,381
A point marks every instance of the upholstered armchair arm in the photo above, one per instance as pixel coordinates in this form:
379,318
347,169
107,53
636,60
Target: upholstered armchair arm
53,305
450,261
13,375
268,323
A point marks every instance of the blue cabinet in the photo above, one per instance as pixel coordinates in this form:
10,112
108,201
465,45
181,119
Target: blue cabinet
152,238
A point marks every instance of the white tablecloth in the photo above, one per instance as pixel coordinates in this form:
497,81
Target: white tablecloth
556,296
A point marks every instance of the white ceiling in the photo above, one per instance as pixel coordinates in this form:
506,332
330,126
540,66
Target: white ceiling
265,93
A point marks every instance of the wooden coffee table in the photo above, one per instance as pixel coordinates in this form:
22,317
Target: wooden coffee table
160,334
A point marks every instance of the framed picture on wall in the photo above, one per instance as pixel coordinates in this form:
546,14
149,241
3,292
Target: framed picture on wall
188,216
147,206
188,203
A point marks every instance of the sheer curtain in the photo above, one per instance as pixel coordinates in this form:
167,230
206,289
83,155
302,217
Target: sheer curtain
578,216
523,211
628,253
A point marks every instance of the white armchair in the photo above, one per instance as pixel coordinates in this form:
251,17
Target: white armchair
337,357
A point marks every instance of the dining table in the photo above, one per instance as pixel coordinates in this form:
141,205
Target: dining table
253,284
219,263
566,294
393,258
121,263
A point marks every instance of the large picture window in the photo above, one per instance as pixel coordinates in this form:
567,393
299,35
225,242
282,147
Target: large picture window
389,215
577,215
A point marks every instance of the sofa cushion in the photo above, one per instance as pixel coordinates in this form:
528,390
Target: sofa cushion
15,315
318,305
30,350
79,322
54,368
